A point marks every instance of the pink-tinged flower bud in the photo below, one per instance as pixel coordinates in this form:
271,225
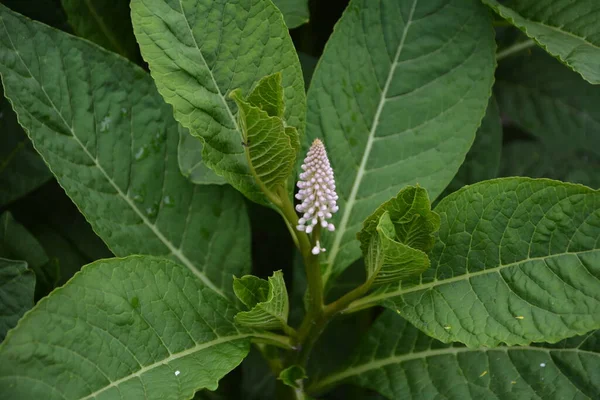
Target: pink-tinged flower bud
317,192
318,249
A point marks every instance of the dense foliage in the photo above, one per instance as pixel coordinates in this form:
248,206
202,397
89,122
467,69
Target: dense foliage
236,199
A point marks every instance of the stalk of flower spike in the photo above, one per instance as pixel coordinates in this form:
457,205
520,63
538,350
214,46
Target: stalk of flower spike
317,193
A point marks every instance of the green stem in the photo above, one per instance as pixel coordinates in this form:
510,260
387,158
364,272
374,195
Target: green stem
285,342
515,48
311,261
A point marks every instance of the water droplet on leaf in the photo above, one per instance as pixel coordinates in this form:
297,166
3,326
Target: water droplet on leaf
168,201
141,153
152,211
105,124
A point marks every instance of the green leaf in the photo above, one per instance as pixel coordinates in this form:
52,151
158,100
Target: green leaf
400,362
17,243
268,95
396,236
270,145
554,104
293,376
135,327
21,168
569,31
109,138
392,260
295,12
196,62
16,293
483,159
104,22
267,300
516,261
533,159
413,221
397,97
251,290
189,155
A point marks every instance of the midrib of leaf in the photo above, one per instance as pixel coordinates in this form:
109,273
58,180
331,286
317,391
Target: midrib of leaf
554,28
363,163
212,77
397,359
583,39
366,301
104,29
175,251
172,357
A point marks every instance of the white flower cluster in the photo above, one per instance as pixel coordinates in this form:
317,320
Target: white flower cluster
317,192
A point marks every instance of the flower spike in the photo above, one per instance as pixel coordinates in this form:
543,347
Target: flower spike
317,192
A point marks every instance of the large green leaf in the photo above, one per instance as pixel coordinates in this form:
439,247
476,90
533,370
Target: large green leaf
111,141
483,159
400,362
533,159
17,284
543,97
397,98
104,22
136,327
516,261
21,168
295,12
189,154
568,30
199,51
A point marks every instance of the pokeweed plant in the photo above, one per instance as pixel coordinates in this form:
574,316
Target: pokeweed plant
493,293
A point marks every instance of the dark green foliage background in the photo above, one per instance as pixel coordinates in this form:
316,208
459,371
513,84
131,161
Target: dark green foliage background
536,147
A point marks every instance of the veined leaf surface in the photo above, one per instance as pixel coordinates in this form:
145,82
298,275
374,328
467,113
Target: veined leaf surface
270,145
396,236
516,261
568,30
135,327
201,50
189,155
267,301
111,141
397,98
400,362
